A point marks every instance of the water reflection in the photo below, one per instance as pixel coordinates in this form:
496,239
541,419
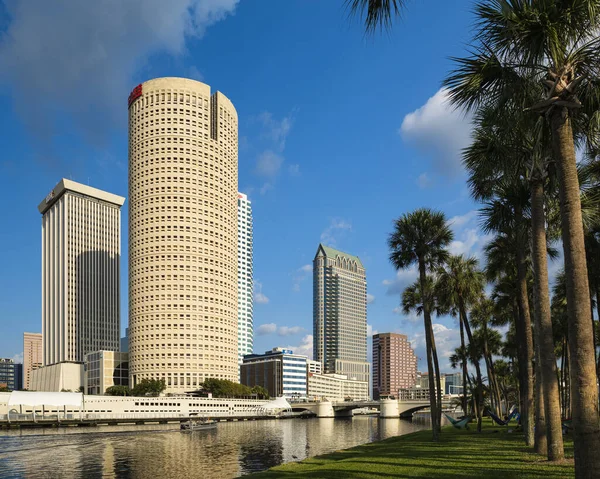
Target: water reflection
137,452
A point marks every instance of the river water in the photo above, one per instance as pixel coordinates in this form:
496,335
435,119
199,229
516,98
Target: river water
230,450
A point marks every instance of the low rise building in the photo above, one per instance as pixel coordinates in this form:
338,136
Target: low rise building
336,387
413,394
11,374
279,371
104,369
423,381
64,376
314,367
421,389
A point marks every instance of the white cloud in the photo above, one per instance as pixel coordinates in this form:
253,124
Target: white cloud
276,131
272,328
270,161
268,164
370,298
289,330
305,347
461,220
268,328
446,341
259,296
423,181
439,131
371,331
404,278
411,317
337,226
294,170
464,246
195,74
265,188
81,57
468,239
300,275
18,358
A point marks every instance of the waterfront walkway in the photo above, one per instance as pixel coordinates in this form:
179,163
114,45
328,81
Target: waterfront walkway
493,453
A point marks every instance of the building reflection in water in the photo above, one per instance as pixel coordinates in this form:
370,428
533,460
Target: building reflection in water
138,452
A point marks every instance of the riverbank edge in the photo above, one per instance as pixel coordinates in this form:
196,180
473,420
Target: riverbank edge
495,452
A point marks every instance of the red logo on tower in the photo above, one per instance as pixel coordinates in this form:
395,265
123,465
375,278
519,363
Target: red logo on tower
135,94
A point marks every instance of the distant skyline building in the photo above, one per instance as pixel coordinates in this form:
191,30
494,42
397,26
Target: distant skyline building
33,357
124,345
279,371
394,364
454,383
183,235
81,249
11,374
340,313
245,278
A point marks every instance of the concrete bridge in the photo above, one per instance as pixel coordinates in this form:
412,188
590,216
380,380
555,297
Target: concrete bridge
388,408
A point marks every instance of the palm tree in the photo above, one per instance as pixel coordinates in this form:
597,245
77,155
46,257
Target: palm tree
459,286
376,13
482,315
420,238
556,45
505,215
510,144
460,357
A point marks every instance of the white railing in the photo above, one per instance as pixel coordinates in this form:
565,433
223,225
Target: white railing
16,417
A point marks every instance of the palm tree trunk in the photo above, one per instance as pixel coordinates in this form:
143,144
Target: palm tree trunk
464,364
494,394
527,344
438,381
563,398
584,396
494,390
479,400
543,323
429,351
596,331
541,441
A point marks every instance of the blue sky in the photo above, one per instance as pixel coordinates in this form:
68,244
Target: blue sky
339,134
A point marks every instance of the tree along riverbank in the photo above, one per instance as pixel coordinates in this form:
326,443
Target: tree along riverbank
493,453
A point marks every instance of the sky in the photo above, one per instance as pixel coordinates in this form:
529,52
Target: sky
340,133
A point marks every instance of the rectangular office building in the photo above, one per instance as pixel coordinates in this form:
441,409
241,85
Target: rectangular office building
81,250
11,374
279,371
104,369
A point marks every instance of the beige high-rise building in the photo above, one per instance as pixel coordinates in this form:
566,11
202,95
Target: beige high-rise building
32,355
81,250
183,275
340,313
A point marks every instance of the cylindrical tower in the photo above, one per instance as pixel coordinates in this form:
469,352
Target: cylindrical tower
183,169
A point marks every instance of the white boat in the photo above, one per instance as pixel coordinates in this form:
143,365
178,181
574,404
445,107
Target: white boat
197,424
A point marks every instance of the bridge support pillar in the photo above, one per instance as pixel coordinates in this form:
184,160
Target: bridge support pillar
388,408
325,409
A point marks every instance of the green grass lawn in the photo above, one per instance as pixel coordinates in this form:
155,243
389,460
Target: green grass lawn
459,453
